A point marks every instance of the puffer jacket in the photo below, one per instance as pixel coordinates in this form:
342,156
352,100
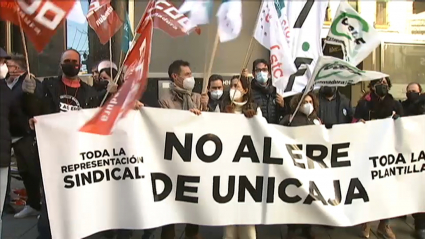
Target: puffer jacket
265,98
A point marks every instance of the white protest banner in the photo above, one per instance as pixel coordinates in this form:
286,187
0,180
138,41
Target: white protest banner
154,171
269,33
331,71
355,35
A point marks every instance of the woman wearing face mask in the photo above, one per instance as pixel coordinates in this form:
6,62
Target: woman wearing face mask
374,105
218,99
378,103
241,103
307,113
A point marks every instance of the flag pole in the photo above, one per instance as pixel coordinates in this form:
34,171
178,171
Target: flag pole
214,50
24,43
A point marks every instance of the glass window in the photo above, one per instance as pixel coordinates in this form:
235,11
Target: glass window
404,63
381,13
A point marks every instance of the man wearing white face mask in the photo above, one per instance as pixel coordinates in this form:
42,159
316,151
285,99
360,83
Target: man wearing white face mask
216,95
264,93
181,96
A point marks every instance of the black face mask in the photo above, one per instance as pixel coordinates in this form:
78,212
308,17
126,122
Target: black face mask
100,85
328,91
70,69
381,90
412,96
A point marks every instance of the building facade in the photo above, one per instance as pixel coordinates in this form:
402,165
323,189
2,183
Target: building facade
401,54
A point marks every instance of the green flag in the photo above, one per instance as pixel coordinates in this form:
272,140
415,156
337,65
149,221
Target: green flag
127,36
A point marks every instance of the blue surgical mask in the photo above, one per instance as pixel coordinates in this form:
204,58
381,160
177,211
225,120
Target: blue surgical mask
262,77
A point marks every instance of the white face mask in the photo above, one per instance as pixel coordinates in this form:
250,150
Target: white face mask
307,109
262,77
189,83
3,71
235,94
215,95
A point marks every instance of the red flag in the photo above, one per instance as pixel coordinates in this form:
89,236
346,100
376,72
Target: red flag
103,20
134,85
40,19
167,18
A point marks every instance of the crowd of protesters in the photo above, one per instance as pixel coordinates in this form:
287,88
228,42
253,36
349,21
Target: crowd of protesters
23,97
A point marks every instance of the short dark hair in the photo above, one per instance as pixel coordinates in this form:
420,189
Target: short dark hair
415,83
71,49
374,82
258,61
174,68
20,60
214,77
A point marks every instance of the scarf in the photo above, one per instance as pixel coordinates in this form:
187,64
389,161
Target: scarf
184,95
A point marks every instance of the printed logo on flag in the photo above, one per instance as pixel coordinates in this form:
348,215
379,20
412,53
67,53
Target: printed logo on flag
352,27
103,20
167,18
331,71
39,19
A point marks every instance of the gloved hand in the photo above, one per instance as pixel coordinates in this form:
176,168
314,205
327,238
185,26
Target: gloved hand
29,84
112,87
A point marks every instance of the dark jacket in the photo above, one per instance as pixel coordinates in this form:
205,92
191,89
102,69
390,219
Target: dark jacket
265,98
222,102
371,107
408,107
341,114
417,107
45,99
19,125
299,119
5,138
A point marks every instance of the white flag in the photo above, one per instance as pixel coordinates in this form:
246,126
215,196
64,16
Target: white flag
355,35
305,18
331,71
229,19
269,33
76,14
199,11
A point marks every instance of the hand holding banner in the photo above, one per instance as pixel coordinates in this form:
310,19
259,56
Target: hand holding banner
39,19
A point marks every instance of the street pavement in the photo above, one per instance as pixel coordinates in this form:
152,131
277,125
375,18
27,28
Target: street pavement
27,229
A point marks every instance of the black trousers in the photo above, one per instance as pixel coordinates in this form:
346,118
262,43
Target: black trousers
29,168
419,221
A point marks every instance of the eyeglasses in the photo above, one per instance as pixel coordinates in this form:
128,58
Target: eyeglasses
261,69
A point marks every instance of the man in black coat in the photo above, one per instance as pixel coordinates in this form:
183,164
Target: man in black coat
5,138
59,94
23,139
264,93
334,107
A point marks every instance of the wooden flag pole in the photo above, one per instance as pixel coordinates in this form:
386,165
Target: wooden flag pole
24,43
214,50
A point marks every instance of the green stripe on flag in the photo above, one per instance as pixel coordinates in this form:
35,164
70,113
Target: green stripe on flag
127,36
